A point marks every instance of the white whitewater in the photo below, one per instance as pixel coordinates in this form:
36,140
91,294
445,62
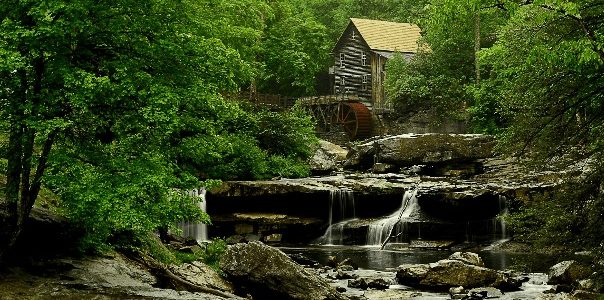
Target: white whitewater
341,211
499,221
499,232
194,230
380,230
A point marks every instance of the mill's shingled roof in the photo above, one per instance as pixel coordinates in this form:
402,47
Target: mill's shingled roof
388,36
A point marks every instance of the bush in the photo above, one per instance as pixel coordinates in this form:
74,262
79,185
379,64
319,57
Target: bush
213,253
570,217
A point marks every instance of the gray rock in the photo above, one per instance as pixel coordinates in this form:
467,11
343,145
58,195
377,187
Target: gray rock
359,283
568,272
585,295
457,290
452,273
343,275
412,274
378,284
468,258
326,157
488,292
382,168
202,275
268,273
413,149
346,268
273,238
561,296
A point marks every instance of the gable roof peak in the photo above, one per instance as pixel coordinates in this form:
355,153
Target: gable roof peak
388,36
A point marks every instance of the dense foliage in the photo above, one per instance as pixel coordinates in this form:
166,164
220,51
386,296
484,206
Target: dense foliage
116,106
531,71
441,77
547,74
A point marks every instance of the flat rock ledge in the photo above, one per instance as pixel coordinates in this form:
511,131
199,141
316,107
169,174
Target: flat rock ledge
268,273
413,149
460,269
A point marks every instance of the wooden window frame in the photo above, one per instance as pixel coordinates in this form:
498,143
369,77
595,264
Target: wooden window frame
353,36
342,60
363,59
365,81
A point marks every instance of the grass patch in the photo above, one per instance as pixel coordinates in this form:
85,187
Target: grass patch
184,257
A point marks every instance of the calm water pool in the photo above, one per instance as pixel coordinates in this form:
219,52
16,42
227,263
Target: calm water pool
375,259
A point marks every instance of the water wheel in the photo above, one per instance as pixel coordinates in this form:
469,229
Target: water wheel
355,118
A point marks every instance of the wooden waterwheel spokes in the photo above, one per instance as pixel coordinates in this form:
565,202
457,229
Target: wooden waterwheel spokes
355,118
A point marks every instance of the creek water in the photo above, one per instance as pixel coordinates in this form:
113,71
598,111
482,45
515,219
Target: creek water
375,263
381,260
196,230
394,224
341,211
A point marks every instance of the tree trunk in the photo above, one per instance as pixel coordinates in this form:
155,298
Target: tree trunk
21,189
477,45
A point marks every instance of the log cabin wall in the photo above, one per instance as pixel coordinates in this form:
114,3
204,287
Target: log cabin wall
377,82
353,66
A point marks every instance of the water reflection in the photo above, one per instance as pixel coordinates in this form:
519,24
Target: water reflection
374,259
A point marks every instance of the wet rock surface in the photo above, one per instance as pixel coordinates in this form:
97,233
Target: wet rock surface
413,149
64,273
360,289
326,158
454,272
110,277
268,273
445,202
201,274
568,272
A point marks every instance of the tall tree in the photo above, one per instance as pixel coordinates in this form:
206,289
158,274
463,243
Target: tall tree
110,103
546,80
441,77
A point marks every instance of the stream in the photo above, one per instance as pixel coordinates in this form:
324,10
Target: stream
373,262
371,257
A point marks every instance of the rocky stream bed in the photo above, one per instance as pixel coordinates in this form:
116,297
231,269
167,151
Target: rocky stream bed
443,193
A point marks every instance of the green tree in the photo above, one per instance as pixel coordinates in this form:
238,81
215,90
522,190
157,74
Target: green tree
294,50
546,79
108,102
440,78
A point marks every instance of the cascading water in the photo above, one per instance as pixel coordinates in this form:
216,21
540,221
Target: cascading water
341,211
499,221
380,230
499,233
197,231
503,213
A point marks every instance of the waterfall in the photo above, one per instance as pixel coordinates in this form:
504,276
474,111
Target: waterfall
380,230
499,221
499,233
195,230
341,211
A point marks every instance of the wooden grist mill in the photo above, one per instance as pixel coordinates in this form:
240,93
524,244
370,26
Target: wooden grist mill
336,112
358,73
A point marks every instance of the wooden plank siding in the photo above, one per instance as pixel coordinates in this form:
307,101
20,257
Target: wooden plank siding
352,70
378,41
377,82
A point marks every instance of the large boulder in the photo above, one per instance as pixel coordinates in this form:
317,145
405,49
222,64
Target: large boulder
268,273
468,258
326,157
568,272
201,274
454,272
418,149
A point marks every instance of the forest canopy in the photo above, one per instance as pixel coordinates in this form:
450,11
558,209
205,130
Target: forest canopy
116,106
